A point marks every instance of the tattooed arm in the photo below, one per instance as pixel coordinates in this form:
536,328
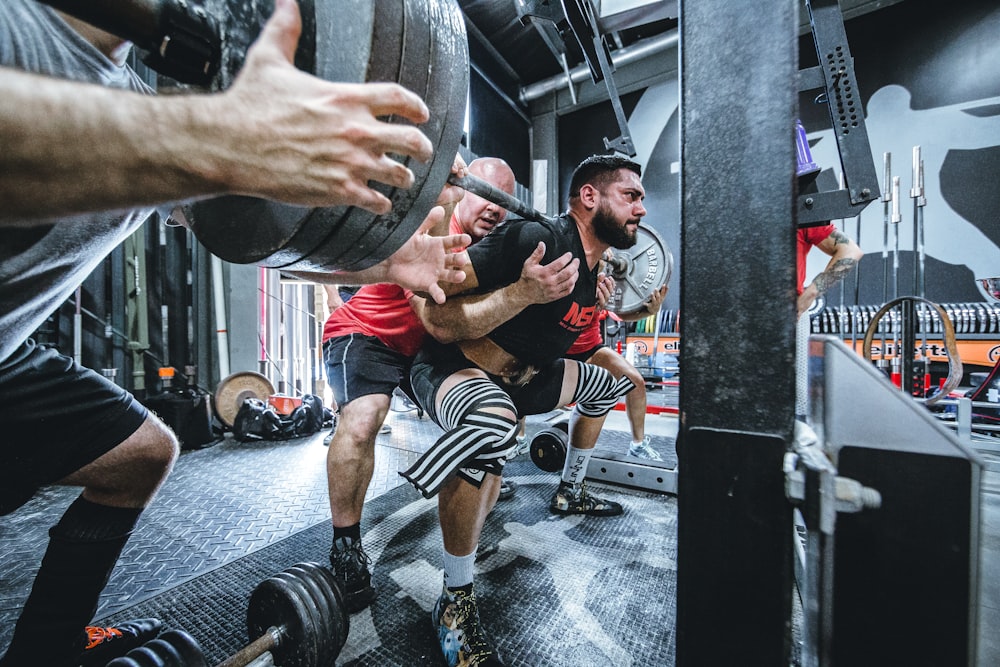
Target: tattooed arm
844,256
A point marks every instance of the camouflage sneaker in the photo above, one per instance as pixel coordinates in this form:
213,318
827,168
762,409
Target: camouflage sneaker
350,567
642,450
104,644
462,638
570,499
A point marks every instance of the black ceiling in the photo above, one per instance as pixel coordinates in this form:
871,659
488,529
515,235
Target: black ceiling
515,53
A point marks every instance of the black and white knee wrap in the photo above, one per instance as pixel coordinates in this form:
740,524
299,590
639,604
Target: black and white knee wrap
477,439
597,390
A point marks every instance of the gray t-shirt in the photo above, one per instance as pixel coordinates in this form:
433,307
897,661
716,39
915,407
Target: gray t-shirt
41,266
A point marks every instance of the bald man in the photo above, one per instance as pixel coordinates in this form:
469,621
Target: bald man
369,344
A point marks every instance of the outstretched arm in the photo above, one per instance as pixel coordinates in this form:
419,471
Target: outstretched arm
472,316
276,133
844,256
420,264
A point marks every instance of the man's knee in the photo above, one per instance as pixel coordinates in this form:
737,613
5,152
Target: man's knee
154,451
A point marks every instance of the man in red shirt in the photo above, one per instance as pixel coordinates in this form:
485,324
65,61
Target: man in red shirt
368,345
590,348
844,256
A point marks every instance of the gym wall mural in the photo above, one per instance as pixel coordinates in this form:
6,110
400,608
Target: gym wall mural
929,78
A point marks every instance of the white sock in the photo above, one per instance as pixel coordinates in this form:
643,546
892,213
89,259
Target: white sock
575,468
458,570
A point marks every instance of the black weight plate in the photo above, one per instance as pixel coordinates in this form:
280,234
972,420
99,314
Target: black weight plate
447,90
330,589
355,29
143,656
383,44
323,617
548,449
247,230
367,234
280,601
166,652
186,646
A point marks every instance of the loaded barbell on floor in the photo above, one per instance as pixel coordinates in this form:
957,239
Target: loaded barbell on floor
298,617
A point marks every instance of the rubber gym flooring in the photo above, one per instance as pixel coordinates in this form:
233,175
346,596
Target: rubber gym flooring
554,590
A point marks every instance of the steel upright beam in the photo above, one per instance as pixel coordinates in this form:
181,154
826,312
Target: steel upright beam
739,75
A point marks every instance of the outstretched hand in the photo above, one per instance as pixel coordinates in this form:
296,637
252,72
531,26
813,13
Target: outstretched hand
312,142
548,282
425,260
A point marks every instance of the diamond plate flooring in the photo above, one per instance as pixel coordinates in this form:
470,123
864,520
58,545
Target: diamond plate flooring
235,499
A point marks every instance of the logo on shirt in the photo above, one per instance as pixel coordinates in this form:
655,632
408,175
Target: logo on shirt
577,318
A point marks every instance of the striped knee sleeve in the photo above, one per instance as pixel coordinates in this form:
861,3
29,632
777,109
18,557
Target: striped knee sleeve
597,390
474,434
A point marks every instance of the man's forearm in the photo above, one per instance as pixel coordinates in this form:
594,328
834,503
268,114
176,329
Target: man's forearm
474,315
71,147
833,274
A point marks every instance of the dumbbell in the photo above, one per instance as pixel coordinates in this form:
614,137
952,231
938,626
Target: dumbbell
298,617
548,447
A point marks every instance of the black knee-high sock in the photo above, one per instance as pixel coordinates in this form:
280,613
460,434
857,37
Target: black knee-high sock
83,549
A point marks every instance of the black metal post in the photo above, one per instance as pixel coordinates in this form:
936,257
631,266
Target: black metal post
739,70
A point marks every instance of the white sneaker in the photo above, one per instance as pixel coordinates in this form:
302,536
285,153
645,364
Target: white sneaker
642,450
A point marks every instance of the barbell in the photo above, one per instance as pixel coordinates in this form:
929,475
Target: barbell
419,44
298,617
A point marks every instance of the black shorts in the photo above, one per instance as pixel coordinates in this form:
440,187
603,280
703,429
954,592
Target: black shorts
436,362
584,356
359,365
55,418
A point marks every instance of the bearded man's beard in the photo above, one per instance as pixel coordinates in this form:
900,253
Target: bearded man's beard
607,230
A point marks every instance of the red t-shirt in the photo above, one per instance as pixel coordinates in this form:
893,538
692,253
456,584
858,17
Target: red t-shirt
806,238
590,337
383,311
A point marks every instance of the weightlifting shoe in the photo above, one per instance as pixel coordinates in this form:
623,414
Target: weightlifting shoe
506,490
642,450
350,567
104,644
576,499
460,633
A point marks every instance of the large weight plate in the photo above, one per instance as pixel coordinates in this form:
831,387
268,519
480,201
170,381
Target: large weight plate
246,230
648,265
328,586
235,389
331,616
280,601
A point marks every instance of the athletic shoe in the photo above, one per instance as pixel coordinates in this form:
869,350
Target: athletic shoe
506,489
462,638
350,567
642,450
523,446
570,499
107,643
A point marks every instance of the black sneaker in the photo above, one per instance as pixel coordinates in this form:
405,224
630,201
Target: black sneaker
350,566
462,638
104,644
506,489
570,499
